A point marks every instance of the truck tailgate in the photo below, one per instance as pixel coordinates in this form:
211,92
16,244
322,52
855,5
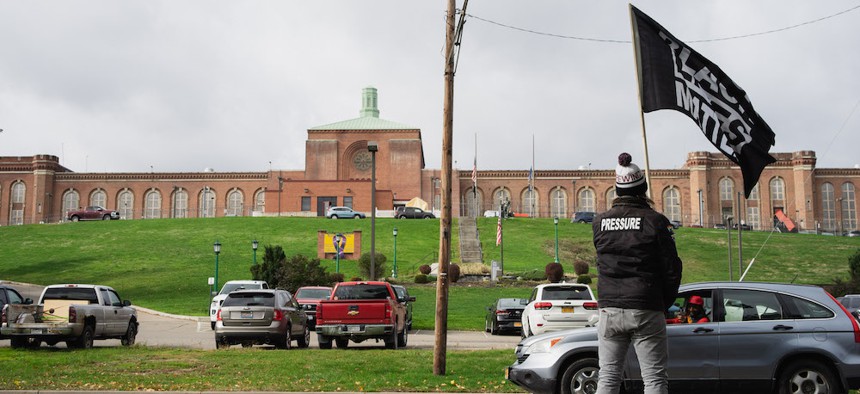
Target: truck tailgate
354,312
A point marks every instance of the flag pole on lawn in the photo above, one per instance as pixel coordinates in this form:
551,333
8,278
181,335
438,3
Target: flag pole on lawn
636,55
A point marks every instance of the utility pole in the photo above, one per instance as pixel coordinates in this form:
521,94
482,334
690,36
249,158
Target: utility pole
452,35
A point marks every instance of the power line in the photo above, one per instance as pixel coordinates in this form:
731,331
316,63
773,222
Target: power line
604,40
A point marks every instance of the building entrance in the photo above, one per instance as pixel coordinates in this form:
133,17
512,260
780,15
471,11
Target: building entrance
324,203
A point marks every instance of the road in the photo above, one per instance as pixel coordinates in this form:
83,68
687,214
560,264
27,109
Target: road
159,329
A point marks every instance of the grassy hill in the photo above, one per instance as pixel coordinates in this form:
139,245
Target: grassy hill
164,264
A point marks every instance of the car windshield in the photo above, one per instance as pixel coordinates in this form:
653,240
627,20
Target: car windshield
317,294
250,299
566,293
230,287
511,303
361,292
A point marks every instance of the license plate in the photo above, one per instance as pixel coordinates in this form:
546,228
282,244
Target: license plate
37,331
567,309
518,324
353,328
310,317
247,315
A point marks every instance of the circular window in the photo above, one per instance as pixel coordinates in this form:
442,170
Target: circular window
362,161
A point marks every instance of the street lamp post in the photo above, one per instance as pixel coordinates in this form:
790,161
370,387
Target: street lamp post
372,147
254,245
217,247
394,272
555,221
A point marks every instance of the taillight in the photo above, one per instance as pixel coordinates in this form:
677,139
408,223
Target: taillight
73,314
218,315
388,311
592,306
850,317
542,306
279,315
3,314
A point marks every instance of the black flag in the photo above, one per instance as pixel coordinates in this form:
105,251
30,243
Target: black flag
674,76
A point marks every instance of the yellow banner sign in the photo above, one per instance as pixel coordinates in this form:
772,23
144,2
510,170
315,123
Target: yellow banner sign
344,241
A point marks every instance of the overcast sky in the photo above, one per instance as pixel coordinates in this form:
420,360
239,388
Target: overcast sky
115,86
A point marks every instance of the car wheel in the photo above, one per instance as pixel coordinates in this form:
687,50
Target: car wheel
580,377
342,343
222,343
213,325
428,217
403,338
494,328
75,218
391,342
324,341
807,376
106,217
401,217
288,338
486,325
305,340
334,216
85,341
130,334
358,216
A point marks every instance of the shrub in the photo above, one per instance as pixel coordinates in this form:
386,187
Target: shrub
379,266
533,275
580,267
290,273
554,272
584,279
337,277
453,273
356,279
425,269
421,278
854,265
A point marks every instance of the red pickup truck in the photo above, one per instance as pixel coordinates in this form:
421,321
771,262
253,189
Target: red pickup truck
358,311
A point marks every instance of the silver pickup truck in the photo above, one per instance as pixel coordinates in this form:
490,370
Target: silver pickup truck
76,314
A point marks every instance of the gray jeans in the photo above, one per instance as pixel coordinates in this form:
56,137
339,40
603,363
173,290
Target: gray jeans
618,328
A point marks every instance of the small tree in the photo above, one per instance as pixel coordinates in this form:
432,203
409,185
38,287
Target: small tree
854,265
580,267
289,273
425,269
379,266
273,257
554,272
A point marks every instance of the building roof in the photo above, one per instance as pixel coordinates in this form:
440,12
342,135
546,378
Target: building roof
369,119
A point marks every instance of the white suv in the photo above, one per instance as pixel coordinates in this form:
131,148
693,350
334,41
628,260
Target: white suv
559,306
232,285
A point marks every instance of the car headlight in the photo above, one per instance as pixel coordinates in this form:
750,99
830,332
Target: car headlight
543,346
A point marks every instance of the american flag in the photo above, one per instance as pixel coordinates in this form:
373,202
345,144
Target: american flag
475,172
499,231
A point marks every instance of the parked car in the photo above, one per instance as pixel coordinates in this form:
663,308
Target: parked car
413,213
9,295
744,227
406,300
559,306
853,233
343,213
359,311
94,212
309,298
762,338
582,217
231,285
505,315
261,317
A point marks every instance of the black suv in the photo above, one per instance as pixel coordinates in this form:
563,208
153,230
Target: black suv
413,213
582,217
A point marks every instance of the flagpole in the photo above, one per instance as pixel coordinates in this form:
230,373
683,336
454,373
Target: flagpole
533,192
636,55
475,177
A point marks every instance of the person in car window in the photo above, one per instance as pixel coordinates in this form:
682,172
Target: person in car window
638,277
695,312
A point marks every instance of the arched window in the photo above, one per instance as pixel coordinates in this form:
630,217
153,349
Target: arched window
207,202
260,200
152,205
235,203
586,200
71,202
558,203
672,203
849,212
828,207
753,210
530,202
500,196
727,189
126,204
610,196
180,203
474,206
99,198
16,200
777,189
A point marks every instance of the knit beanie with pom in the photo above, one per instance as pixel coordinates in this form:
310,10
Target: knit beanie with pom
629,179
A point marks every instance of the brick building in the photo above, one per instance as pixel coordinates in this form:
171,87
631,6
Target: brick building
338,165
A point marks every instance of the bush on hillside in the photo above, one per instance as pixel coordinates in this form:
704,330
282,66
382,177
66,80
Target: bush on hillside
554,272
378,267
453,273
580,267
337,277
290,273
425,269
421,278
533,275
584,279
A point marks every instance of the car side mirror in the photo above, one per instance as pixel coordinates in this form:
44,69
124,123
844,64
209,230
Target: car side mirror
412,298
28,301
126,303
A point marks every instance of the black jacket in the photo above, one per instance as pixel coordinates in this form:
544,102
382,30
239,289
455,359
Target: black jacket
637,263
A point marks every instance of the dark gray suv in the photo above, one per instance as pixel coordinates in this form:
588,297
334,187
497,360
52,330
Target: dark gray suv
761,338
